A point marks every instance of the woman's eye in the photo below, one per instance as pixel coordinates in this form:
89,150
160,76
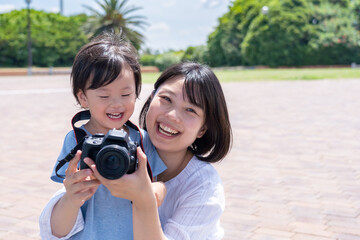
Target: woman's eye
166,98
191,110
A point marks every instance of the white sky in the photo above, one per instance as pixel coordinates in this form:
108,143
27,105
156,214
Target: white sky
173,24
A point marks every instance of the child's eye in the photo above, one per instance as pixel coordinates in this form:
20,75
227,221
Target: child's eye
104,97
126,95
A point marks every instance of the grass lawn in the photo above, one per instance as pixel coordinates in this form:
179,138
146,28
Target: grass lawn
275,74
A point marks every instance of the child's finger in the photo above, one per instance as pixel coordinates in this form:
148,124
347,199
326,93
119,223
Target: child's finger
76,177
81,186
92,166
73,163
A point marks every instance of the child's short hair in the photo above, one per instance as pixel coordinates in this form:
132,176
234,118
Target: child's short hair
101,61
203,89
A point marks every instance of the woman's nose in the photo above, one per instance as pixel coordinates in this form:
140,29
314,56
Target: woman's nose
174,115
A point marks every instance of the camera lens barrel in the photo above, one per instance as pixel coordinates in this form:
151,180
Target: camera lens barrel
112,161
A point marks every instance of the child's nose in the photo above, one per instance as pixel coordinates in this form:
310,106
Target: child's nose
116,102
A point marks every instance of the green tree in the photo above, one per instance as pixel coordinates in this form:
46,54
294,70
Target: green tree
55,38
224,44
289,33
116,16
336,40
355,7
280,37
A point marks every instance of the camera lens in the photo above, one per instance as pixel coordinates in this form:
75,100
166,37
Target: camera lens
112,161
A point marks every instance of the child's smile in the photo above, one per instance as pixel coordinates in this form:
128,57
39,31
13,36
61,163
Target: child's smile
115,116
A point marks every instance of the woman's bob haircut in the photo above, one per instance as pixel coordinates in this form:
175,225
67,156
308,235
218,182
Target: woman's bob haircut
203,89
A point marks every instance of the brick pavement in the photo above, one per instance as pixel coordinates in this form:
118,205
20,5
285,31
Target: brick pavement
293,172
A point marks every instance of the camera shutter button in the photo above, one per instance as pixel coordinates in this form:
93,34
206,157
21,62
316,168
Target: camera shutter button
99,135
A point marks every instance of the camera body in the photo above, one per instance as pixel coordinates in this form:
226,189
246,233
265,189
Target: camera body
114,154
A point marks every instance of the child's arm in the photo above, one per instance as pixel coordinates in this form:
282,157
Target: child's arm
79,188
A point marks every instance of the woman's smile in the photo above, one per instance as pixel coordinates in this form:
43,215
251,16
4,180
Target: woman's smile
166,130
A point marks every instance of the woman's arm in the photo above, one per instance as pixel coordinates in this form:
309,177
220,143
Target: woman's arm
138,188
146,221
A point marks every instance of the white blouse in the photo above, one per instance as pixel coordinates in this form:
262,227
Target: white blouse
193,204
191,209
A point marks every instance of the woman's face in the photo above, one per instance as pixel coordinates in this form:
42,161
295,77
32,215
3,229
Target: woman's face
111,105
173,123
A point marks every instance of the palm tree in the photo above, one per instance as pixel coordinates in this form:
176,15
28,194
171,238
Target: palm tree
115,16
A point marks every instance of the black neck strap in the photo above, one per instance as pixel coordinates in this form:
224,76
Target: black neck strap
80,136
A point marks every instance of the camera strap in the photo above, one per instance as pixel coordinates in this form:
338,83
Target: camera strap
80,136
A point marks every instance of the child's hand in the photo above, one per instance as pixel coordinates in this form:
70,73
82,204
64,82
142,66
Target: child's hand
159,190
80,184
136,187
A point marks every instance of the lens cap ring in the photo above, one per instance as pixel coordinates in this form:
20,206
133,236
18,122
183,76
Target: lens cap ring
112,161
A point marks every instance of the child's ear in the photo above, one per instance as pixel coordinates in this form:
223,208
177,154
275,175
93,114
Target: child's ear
82,99
202,131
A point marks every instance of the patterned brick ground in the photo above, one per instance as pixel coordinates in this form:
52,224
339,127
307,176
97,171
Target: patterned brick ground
293,172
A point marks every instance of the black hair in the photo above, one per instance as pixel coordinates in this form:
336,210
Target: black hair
203,89
102,60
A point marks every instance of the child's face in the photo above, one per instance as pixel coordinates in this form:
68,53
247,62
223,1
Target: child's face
173,123
111,105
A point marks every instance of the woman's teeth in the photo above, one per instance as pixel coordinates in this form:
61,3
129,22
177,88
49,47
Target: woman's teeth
114,115
167,131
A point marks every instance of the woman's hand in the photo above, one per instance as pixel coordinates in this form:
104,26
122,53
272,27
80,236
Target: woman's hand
80,184
136,187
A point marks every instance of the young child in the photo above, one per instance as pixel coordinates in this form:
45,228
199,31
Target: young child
106,79
187,121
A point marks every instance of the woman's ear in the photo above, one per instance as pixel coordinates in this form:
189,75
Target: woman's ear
202,131
82,99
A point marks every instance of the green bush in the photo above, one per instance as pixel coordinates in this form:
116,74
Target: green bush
162,61
148,60
196,54
167,59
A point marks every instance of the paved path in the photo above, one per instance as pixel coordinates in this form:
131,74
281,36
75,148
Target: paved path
293,173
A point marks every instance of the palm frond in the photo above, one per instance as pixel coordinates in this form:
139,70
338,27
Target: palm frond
115,15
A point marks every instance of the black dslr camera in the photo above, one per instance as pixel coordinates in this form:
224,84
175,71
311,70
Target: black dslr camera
114,154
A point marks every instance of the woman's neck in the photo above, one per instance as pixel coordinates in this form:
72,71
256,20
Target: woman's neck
175,162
